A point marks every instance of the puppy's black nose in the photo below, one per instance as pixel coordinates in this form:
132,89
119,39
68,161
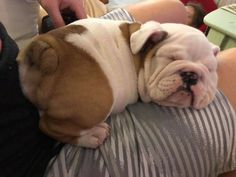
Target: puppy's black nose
189,78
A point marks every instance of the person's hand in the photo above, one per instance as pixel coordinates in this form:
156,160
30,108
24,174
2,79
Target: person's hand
54,8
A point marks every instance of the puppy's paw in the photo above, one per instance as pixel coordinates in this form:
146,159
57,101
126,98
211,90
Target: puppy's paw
95,136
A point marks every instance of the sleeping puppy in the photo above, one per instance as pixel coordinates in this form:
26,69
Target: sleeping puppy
180,70
80,74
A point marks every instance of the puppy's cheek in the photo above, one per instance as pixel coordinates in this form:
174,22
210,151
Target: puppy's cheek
161,89
203,95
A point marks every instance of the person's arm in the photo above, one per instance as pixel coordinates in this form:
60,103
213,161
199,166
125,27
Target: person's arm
54,8
227,73
227,82
158,10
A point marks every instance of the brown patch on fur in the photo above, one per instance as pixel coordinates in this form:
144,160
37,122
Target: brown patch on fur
65,30
69,87
127,29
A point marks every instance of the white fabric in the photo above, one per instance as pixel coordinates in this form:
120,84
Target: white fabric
20,18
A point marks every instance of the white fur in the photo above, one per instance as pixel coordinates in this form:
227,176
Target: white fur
104,42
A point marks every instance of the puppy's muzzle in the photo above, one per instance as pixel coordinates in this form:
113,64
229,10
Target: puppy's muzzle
189,79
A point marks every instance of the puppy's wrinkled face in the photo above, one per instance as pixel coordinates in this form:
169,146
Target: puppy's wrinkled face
184,69
179,69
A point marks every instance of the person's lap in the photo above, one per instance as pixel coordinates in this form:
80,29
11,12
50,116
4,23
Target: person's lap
152,140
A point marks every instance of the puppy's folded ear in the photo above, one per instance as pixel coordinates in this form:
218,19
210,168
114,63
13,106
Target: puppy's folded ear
133,27
41,56
37,63
215,49
149,34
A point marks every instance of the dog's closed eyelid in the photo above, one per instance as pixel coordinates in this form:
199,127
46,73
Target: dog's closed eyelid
175,57
179,55
170,57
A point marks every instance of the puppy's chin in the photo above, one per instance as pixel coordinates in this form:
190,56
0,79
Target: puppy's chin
183,98
179,99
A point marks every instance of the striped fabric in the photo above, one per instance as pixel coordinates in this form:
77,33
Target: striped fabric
148,140
118,14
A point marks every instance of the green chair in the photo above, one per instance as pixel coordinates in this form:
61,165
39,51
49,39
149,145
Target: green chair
222,26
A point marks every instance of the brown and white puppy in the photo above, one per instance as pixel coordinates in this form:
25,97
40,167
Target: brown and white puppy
79,74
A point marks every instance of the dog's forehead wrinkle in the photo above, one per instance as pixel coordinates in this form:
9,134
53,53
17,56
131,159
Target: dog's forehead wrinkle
174,52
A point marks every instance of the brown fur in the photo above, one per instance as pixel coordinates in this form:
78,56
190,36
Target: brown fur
53,70
127,30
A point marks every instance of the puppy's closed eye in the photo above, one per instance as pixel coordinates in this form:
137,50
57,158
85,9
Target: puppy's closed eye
173,57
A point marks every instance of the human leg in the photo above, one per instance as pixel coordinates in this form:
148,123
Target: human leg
158,10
